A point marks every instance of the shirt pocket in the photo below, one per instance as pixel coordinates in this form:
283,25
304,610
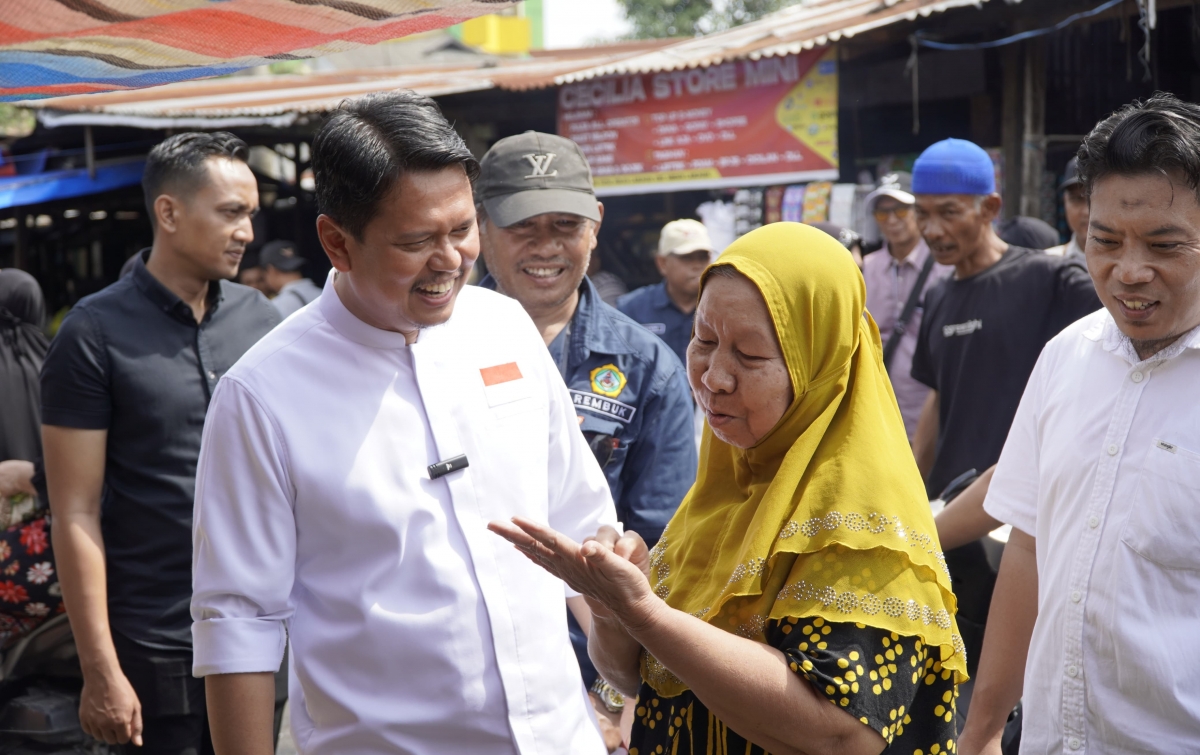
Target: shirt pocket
1164,527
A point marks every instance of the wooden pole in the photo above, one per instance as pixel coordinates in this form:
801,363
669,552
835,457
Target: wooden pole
89,151
1012,125
1033,143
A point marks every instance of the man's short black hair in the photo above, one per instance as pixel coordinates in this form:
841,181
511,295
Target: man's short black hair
367,143
1160,135
179,161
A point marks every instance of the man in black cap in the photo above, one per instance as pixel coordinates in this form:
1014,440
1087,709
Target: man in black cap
538,225
251,274
1075,203
281,273
1028,233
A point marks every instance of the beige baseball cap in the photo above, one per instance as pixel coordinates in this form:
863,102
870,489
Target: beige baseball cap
684,237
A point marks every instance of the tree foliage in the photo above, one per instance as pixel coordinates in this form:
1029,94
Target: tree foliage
686,18
15,122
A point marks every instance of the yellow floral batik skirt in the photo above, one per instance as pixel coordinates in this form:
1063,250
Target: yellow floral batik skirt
890,682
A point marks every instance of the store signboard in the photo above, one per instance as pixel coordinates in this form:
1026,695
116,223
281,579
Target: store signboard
740,123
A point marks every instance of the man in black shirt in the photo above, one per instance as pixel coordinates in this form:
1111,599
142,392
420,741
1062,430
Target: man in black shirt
982,331
125,388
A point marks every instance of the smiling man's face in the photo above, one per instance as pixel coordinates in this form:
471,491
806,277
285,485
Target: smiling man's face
405,270
1143,251
540,261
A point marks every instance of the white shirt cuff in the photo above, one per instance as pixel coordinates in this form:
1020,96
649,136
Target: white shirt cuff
237,646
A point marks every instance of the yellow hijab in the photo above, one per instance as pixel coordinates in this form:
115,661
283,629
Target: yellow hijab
827,515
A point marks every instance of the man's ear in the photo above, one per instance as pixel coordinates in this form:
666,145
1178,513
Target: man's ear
167,210
336,243
660,261
486,229
990,208
596,226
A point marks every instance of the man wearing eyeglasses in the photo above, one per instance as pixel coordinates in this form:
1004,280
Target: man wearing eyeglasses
897,277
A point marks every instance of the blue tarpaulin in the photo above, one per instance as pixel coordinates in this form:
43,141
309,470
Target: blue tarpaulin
21,190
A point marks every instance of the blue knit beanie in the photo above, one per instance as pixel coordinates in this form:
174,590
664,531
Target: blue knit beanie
954,166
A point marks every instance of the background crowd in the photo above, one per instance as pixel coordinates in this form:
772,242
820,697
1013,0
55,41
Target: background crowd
987,343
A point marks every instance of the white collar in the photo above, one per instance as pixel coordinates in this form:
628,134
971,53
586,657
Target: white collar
352,328
1113,340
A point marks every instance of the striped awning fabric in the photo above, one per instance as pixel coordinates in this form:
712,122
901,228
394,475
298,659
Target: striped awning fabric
56,47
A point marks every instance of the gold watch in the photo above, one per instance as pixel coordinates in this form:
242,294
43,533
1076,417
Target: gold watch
613,701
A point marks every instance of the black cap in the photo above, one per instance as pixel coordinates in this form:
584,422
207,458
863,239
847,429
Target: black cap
897,185
1071,175
281,255
534,173
1027,232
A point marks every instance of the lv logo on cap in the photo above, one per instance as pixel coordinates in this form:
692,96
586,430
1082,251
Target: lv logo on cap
541,164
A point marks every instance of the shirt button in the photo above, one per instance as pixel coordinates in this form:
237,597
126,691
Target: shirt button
1074,744
212,375
1093,522
1112,450
1072,671
1137,377
1076,596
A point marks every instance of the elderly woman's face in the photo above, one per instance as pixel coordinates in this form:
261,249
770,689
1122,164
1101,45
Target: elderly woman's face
735,365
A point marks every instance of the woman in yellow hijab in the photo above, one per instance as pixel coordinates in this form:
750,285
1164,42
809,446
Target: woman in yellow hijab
798,601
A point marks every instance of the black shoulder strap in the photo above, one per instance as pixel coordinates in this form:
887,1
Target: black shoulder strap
910,306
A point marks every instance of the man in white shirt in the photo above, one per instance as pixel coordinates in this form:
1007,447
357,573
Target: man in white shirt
357,532
1098,598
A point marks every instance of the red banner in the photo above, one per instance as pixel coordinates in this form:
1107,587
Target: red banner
740,123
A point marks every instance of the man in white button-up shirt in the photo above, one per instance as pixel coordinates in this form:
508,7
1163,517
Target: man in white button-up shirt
1101,472
351,462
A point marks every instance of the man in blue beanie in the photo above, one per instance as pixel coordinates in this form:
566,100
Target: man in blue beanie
982,331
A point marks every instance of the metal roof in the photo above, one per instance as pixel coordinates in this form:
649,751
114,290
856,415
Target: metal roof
809,24
278,100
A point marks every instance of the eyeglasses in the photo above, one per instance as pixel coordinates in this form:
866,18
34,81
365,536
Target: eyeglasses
901,211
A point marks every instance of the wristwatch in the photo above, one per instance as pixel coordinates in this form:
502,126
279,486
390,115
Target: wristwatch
614,701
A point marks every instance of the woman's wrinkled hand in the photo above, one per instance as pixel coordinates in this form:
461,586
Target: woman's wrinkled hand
609,569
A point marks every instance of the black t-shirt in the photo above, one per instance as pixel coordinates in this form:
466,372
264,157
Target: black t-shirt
132,360
979,340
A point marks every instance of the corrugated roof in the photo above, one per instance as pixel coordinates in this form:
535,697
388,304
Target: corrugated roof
59,48
810,24
277,99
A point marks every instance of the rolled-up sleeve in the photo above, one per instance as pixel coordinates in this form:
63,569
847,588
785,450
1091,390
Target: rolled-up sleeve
244,539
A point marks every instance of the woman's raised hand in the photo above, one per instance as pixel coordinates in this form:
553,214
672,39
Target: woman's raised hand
609,569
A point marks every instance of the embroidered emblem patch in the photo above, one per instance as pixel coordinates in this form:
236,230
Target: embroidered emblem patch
608,381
